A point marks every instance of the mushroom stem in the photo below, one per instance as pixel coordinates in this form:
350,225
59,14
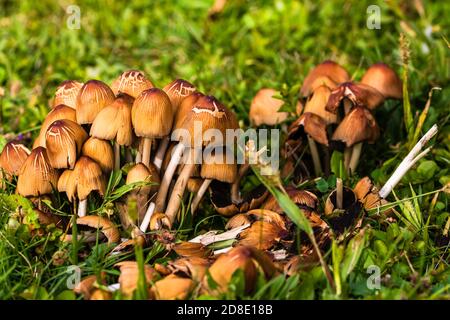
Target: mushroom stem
146,150
162,148
339,193
315,156
408,162
116,156
347,157
354,160
167,178
235,194
128,155
148,215
82,207
200,193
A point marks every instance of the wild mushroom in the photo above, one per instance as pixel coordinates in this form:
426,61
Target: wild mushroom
101,152
12,157
381,77
63,140
317,102
172,287
130,274
114,123
215,167
93,97
359,125
104,225
264,109
67,93
152,118
131,82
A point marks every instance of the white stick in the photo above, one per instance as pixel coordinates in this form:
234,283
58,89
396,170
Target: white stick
199,196
148,215
162,148
212,237
82,208
408,162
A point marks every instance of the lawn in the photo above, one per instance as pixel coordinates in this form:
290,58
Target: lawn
232,54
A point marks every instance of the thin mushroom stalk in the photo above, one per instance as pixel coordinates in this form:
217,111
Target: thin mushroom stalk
235,194
315,156
339,193
199,195
159,156
354,159
82,208
116,156
146,151
412,158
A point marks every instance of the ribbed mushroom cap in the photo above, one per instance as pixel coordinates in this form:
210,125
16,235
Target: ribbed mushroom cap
216,167
60,112
381,77
64,139
185,107
152,114
65,181
264,109
86,177
67,93
12,158
93,97
131,82
105,225
357,126
101,152
327,68
301,198
209,113
37,177
114,121
358,93
313,125
177,91
129,276
317,102
140,173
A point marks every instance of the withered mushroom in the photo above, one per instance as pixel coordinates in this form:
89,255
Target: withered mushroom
129,276
264,109
12,157
131,82
66,93
93,97
104,225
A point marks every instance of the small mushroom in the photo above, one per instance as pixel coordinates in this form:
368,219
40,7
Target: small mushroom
12,157
264,109
66,93
129,276
368,194
101,152
104,225
342,218
177,91
93,97
131,82
381,77
172,287
317,102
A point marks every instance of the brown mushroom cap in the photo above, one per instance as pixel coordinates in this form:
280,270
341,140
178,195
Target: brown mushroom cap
177,91
358,93
185,107
264,109
86,177
328,68
317,102
172,287
322,81
65,180
114,121
12,158
131,82
140,172
105,225
313,125
129,276
37,177
101,152
357,126
67,93
215,166
152,114
64,139
381,77
194,184
93,97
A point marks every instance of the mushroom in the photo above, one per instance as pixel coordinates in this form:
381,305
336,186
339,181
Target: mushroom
130,274
37,177
172,287
131,82
67,93
104,225
381,77
264,109
64,139
12,157
114,123
93,97
101,152
215,167
317,102
152,118
358,125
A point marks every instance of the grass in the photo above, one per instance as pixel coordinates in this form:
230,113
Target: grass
250,45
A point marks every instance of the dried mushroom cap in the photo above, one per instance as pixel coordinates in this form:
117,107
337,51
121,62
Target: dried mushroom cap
86,177
103,224
327,68
114,121
177,91
184,108
368,194
64,140
216,167
172,287
67,93
101,295
37,177
302,198
140,173
191,249
381,77
357,126
12,158
267,216
93,97
264,109
193,267
129,276
131,82
358,94
262,235
311,124
60,112
152,114
159,221
317,102
101,152
238,220
86,286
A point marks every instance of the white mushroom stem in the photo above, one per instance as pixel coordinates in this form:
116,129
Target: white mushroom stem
315,156
356,153
116,156
212,236
82,207
199,196
235,193
347,157
146,150
167,178
138,157
412,157
339,193
162,148
148,216
139,151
